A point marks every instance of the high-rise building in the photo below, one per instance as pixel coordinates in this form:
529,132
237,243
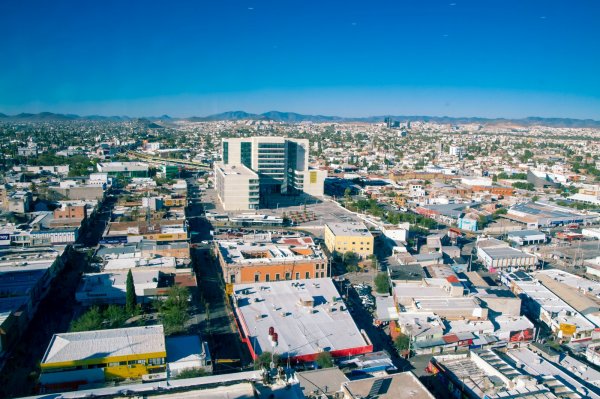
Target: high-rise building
281,165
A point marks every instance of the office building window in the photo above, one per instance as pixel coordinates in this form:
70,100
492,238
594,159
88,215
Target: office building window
246,154
225,152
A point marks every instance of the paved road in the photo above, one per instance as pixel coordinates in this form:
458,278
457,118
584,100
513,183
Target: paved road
364,320
216,325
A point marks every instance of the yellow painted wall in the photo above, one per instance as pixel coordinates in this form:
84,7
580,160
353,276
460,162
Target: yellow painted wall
363,246
132,371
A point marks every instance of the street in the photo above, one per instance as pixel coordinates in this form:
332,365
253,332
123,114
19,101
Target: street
54,315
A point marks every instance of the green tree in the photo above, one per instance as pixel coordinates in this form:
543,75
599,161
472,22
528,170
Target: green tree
90,320
401,342
191,373
174,310
324,360
265,358
382,283
350,260
115,316
130,297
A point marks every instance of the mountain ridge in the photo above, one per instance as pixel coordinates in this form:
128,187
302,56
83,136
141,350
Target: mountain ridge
293,117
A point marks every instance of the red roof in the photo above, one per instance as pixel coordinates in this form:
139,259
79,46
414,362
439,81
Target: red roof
185,280
450,338
452,279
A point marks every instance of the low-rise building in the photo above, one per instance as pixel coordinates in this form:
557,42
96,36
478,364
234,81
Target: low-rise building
111,287
542,304
394,386
74,359
123,169
297,320
526,237
349,237
264,262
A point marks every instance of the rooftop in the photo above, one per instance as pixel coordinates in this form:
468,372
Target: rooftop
308,317
401,385
505,253
250,253
233,170
350,229
103,344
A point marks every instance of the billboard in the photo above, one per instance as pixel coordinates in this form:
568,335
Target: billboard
568,329
521,336
114,240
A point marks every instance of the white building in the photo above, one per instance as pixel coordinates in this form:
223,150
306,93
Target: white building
281,164
457,151
237,187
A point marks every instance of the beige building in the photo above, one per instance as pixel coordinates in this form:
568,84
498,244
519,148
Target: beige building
237,187
280,163
401,385
345,237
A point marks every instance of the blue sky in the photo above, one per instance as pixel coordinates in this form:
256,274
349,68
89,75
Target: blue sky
351,58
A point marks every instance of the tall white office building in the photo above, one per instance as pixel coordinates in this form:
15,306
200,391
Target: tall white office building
281,165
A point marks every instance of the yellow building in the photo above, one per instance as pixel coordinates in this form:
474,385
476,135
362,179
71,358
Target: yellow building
345,237
74,359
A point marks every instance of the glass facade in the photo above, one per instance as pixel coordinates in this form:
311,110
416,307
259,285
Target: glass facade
246,154
225,152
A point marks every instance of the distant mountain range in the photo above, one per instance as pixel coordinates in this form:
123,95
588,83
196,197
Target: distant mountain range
292,117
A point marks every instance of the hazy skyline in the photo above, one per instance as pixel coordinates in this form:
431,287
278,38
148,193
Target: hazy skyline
353,58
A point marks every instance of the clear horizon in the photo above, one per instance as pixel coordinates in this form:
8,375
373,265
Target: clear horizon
507,59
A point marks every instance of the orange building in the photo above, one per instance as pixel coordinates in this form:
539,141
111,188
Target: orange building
75,212
264,262
179,249
504,191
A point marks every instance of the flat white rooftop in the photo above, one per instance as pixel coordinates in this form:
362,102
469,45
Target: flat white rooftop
303,330
232,170
250,253
586,287
103,344
352,229
537,366
551,303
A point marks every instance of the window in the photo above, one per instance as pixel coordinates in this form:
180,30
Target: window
307,275
246,154
288,275
322,274
225,152
156,361
267,277
297,276
277,278
232,278
256,278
